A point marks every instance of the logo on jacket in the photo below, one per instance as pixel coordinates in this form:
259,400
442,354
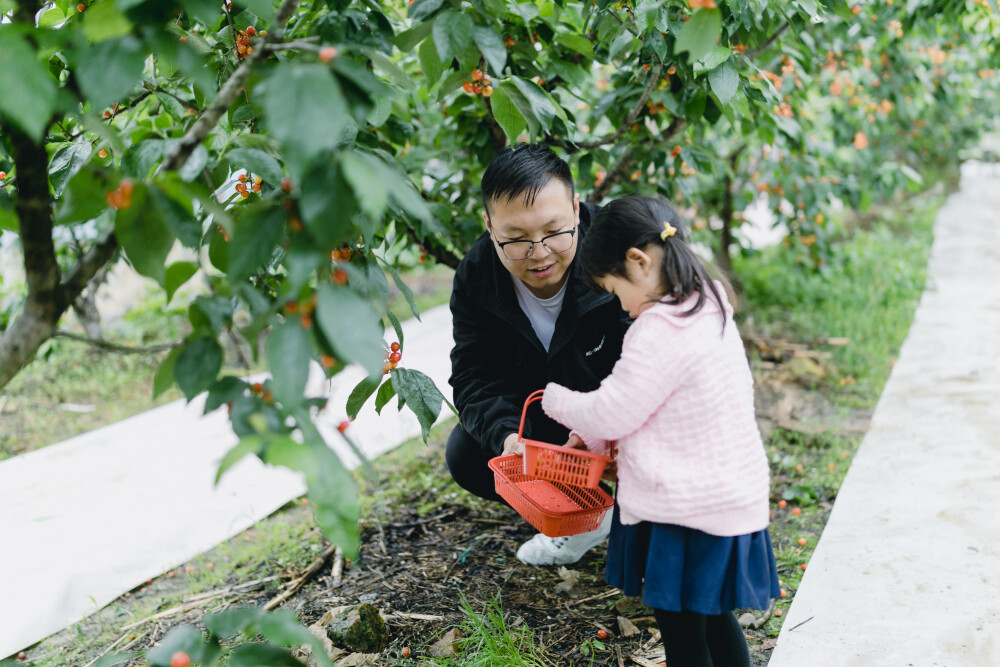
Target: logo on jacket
598,348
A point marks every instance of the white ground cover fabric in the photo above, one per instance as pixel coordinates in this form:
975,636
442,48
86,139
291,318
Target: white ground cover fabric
85,520
907,571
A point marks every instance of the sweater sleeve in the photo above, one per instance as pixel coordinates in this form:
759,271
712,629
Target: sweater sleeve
653,364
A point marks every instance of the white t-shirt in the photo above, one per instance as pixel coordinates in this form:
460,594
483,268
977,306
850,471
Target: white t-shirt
542,313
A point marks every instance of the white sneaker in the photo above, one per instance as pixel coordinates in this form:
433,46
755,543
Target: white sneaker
544,550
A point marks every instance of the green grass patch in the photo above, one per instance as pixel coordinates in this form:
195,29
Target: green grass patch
867,295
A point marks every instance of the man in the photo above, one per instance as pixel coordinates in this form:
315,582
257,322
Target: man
523,317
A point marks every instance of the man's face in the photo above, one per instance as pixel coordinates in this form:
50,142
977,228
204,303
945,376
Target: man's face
553,211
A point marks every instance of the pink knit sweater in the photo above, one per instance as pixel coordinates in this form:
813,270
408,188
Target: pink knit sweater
680,405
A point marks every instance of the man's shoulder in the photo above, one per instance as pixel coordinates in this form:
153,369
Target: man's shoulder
478,263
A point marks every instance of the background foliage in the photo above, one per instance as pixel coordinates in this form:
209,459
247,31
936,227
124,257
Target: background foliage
296,156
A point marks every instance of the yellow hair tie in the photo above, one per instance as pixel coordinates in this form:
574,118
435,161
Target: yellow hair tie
668,230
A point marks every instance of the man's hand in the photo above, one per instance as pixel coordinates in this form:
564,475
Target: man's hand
511,445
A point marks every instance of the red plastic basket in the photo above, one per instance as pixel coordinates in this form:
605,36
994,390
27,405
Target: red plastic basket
553,508
556,463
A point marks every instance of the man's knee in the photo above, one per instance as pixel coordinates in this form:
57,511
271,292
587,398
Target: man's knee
469,465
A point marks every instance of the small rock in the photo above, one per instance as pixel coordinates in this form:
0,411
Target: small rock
569,579
359,629
627,628
746,620
448,645
804,368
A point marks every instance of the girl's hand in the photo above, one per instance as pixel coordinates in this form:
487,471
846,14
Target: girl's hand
575,442
610,472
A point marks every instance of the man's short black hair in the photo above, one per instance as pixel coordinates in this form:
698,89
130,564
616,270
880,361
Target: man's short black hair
523,170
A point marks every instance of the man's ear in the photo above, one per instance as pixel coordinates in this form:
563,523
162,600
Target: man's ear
486,221
576,205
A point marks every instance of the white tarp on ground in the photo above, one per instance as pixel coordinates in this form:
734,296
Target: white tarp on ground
907,571
85,520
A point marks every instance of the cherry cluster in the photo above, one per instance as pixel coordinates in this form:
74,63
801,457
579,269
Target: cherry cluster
392,357
479,85
241,187
243,48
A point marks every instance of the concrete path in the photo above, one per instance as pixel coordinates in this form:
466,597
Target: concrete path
907,571
85,520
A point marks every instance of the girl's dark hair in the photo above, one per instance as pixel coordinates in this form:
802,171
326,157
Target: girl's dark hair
523,169
636,222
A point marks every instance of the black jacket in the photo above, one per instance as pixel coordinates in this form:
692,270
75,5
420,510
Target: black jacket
498,360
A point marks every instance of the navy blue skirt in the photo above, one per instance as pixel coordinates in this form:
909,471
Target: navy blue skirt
677,568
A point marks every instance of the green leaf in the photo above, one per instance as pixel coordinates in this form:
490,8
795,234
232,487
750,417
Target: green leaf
351,326
369,189
327,205
403,287
334,497
187,639
177,214
172,105
197,365
262,8
305,108
164,376
65,163
385,394
262,655
576,42
29,93
714,58
51,19
430,62
225,624
108,70
283,627
506,114
256,235
360,395
698,36
402,191
452,34
8,216
421,9
194,164
288,355
102,20
144,235
491,46
83,198
117,658
408,39
539,105
395,325
249,445
418,391
140,159
177,274
257,162
725,81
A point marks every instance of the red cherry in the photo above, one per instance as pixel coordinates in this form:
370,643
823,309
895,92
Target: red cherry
340,277
395,357
251,31
3,175
343,426
394,347
405,652
467,87
180,659
602,634
22,656
477,75
327,53
286,185
80,7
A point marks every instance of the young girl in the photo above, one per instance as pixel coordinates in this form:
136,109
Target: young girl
689,528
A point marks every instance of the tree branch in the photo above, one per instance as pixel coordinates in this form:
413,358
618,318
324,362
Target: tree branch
228,94
626,161
654,77
115,347
753,53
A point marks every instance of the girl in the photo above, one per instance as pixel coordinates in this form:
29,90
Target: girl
689,528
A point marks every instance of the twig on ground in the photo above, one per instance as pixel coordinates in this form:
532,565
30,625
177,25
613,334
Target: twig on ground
300,581
802,623
337,571
642,661
757,624
418,617
600,596
618,654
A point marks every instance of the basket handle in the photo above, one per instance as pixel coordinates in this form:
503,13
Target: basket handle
532,397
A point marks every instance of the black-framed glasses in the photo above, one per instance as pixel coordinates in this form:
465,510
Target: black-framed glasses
517,251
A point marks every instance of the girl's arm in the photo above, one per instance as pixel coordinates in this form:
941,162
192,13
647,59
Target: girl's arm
595,445
653,364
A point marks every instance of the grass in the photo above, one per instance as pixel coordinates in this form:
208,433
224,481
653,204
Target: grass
491,639
867,296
